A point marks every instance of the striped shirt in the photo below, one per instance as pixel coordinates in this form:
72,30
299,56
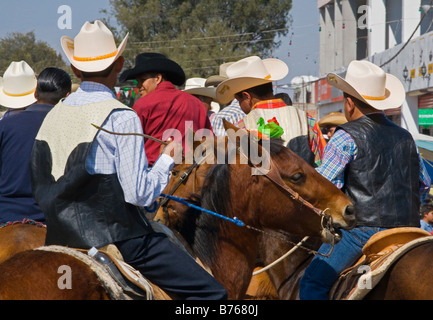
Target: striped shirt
341,150
124,155
232,113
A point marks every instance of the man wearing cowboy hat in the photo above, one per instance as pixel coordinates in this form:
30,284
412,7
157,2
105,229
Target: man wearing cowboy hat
207,95
232,111
375,162
35,98
162,107
250,82
92,185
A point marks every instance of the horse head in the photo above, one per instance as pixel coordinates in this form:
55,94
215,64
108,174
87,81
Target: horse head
311,204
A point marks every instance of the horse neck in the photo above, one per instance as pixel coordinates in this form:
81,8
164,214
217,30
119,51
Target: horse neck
285,275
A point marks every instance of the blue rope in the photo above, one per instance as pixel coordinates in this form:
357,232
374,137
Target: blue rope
183,201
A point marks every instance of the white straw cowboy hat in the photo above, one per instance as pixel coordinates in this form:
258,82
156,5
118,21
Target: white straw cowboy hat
94,48
215,80
196,86
18,86
250,72
370,84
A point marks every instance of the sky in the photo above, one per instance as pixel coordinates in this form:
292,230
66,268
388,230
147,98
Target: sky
42,17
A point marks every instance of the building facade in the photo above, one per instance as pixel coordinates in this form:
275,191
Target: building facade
394,34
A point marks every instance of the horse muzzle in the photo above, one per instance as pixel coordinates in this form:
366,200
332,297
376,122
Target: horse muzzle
331,228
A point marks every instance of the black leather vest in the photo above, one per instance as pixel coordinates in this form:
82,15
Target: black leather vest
82,210
383,180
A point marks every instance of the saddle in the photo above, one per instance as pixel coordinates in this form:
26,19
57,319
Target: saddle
379,253
119,279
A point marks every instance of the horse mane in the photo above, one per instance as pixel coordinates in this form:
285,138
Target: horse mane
215,196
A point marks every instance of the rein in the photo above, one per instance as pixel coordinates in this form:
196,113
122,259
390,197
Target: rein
131,134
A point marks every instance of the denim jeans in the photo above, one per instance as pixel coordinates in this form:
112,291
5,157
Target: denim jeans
322,272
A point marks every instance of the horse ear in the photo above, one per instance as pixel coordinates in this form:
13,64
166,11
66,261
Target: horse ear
228,125
257,155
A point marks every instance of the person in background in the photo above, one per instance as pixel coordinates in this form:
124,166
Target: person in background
162,107
285,97
18,132
230,111
426,221
329,123
207,95
250,82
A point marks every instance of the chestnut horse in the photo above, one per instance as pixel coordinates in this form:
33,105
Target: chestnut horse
280,281
229,250
20,236
399,283
262,202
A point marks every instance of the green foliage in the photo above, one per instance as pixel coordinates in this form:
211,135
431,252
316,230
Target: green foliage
38,54
202,34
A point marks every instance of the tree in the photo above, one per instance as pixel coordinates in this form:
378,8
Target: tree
38,54
201,34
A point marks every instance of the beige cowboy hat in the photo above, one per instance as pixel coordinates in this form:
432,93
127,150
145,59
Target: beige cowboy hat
370,84
215,80
196,86
332,119
18,86
94,48
250,72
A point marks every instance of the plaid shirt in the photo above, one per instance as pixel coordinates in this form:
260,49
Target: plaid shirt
232,113
341,150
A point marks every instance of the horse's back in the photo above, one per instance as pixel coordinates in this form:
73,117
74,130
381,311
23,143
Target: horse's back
410,278
42,275
20,237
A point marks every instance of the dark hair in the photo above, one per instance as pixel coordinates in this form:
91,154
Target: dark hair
99,74
260,91
53,85
360,104
285,97
425,209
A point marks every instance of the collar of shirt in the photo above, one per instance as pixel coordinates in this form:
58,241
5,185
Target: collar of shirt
89,92
165,85
270,104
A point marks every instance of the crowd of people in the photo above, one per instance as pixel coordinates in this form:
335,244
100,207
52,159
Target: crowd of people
91,187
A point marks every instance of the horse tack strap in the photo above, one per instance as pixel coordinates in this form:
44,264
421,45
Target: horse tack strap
274,175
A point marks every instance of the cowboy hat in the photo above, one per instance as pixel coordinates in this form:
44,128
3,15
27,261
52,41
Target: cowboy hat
93,49
195,86
248,73
215,80
332,119
18,86
370,84
155,62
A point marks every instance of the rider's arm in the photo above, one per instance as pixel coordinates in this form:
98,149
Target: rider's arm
125,155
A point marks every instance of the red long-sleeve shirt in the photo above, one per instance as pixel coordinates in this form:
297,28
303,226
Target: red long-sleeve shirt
169,108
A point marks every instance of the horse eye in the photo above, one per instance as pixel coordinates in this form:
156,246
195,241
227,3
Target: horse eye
174,173
297,177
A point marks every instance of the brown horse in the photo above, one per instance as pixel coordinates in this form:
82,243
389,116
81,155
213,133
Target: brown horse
231,251
37,275
20,236
260,201
399,283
